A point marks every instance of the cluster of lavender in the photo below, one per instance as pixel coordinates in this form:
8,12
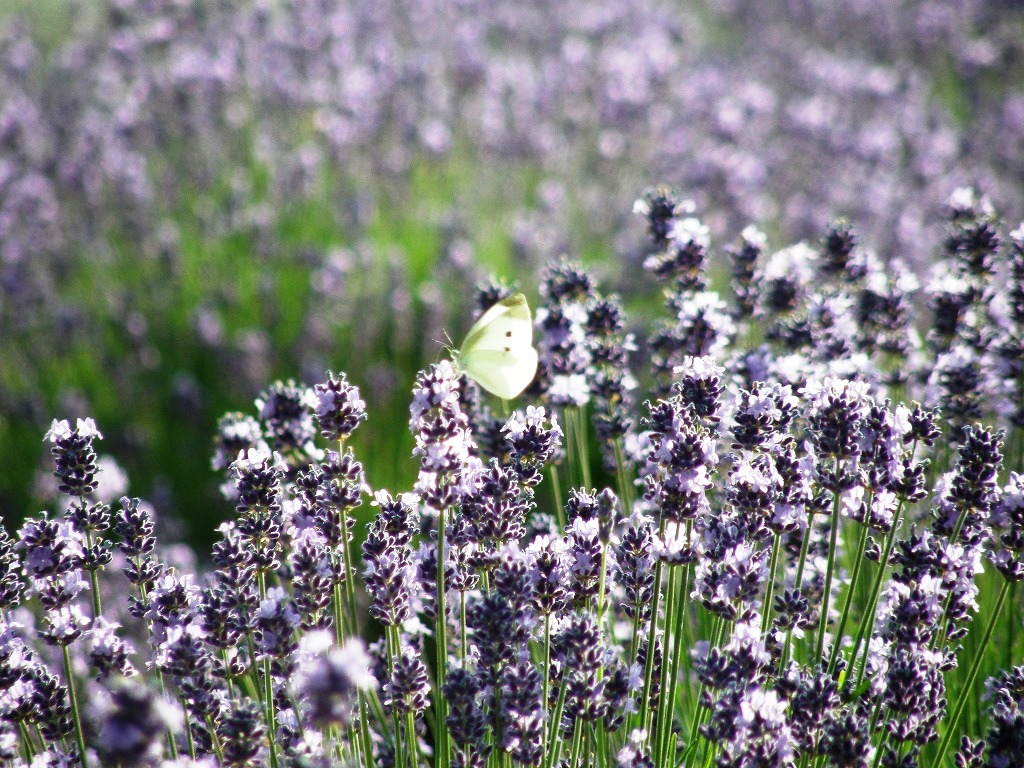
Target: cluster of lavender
808,557
140,137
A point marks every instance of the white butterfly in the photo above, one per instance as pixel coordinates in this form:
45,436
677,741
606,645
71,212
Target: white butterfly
498,352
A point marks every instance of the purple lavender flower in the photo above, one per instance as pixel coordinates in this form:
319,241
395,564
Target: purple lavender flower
131,725
328,678
75,456
466,721
388,569
443,440
1007,551
339,409
533,441
522,715
407,691
237,433
288,411
1003,743
12,585
746,278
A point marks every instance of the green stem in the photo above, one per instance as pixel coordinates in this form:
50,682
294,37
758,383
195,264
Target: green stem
577,743
967,690
218,750
867,624
337,603
554,745
547,673
766,610
625,487
27,744
414,742
271,712
832,544
680,624
393,647
804,546
645,700
851,591
576,416
97,607
188,730
364,732
556,491
227,672
601,586
441,641
693,734
661,716
463,643
349,583
75,714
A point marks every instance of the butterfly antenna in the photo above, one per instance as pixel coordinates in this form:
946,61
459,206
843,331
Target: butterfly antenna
445,346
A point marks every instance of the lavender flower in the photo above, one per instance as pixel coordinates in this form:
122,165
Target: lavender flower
466,720
1003,744
522,712
241,733
339,409
328,678
746,278
407,690
237,433
75,456
287,410
531,443
131,723
1007,553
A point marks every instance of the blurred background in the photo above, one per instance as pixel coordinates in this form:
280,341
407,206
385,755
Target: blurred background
199,197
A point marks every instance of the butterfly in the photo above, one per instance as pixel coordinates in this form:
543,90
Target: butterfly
498,351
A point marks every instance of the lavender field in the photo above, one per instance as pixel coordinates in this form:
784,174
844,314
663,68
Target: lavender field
761,503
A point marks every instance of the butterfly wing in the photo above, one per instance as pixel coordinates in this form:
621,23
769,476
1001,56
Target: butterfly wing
498,351
505,374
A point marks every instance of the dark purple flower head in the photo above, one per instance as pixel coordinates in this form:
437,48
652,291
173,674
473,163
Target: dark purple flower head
131,724
466,721
236,433
1005,738
242,733
533,441
745,259
52,546
329,678
836,409
972,239
522,712
661,206
1007,550
552,567
408,689
287,410
75,456
681,263
839,259
761,413
590,505
566,281
12,584
339,408
635,561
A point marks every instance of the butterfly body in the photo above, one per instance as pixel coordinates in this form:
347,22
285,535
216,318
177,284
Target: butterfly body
498,351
